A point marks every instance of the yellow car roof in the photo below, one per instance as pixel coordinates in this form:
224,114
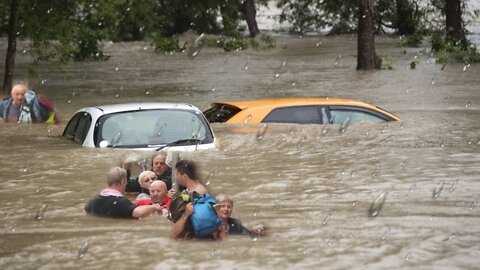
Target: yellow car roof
257,109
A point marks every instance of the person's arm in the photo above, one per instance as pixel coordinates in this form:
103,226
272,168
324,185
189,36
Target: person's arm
178,227
146,210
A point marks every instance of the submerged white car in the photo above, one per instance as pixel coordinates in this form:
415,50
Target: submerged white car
146,126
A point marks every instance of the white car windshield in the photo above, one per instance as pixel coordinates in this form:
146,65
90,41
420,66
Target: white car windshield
151,128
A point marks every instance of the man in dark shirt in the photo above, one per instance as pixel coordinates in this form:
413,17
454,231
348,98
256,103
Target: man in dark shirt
111,203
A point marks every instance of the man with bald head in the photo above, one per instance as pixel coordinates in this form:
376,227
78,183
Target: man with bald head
158,195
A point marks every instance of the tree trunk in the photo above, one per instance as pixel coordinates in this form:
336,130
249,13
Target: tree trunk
405,20
367,57
250,12
12,46
454,23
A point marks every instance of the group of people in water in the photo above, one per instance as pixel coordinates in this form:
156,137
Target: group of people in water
157,194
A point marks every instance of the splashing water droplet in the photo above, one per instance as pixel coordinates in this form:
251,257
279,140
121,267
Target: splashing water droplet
437,190
255,212
452,235
207,179
408,256
247,119
453,186
412,188
69,101
433,82
284,63
293,84
468,104
254,239
326,218
245,67
464,68
213,89
261,132
404,163
324,130
147,93
376,171
344,126
472,205
385,234
44,81
41,212
354,203
276,76
377,205
116,68
25,168
82,251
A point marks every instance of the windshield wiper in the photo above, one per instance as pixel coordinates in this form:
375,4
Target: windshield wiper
180,142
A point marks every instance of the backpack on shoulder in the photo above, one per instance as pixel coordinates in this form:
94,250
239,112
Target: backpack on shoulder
204,218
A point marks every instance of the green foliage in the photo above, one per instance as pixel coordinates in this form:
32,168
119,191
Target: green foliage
448,50
414,40
163,44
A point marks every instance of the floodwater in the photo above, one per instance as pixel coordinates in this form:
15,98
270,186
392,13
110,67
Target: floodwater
366,196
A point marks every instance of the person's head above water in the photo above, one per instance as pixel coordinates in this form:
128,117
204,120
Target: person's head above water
117,179
146,178
18,94
159,164
188,168
158,191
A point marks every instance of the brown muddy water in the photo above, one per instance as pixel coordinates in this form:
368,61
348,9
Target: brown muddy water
312,185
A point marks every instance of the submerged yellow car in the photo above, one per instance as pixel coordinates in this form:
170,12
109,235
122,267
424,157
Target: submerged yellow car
297,111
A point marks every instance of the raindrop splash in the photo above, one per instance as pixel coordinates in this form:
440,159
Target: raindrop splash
211,174
41,212
408,256
377,205
376,171
344,126
261,132
82,251
472,205
412,188
385,234
453,186
247,119
326,218
437,190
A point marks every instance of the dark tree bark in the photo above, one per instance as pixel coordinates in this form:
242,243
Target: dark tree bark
367,58
454,23
250,12
12,46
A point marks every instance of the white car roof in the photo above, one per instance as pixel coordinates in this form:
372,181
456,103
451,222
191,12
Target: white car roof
113,108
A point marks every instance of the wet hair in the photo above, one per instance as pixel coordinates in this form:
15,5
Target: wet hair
115,176
187,167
